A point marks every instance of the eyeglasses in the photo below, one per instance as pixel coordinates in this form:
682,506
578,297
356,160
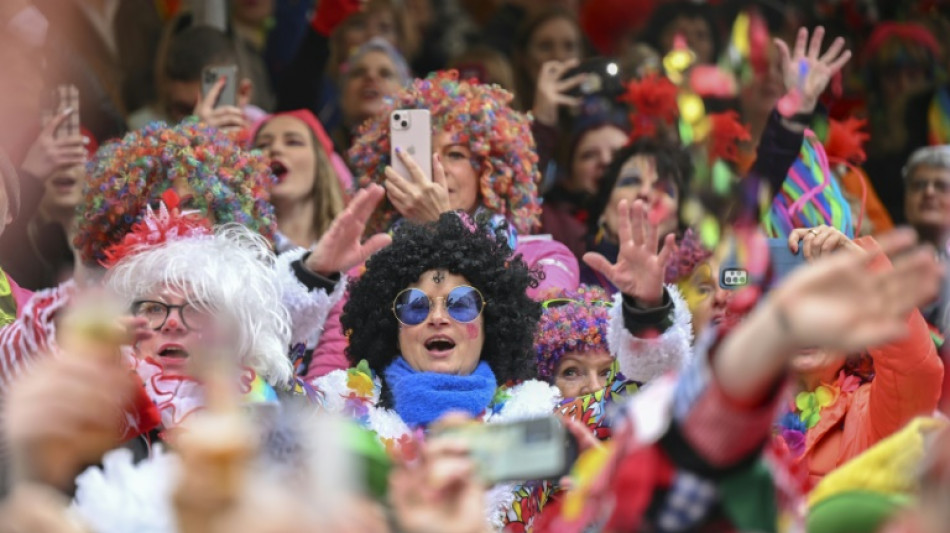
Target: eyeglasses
918,186
156,313
463,303
559,302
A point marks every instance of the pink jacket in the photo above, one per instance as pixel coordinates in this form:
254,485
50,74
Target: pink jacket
555,260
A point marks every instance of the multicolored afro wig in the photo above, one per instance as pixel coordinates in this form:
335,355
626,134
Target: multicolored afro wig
212,174
688,255
571,322
478,116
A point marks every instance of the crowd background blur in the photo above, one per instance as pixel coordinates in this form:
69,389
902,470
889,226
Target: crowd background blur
608,161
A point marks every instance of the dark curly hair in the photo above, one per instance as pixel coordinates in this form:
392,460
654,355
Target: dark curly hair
672,164
478,253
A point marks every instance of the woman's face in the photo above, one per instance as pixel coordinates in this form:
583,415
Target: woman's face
62,190
594,152
177,329
638,180
289,145
707,301
440,344
579,374
554,39
460,175
698,37
368,81
382,23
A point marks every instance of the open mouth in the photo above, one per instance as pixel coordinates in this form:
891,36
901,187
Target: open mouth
278,169
439,345
173,351
370,93
63,183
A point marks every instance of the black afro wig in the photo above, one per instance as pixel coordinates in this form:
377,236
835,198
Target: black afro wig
482,256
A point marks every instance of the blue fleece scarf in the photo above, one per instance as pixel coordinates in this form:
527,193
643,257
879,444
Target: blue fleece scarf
421,398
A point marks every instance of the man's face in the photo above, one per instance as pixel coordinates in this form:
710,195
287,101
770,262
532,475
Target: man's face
927,197
180,99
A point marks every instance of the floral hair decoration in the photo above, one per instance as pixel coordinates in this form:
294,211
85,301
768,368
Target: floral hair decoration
571,321
477,116
213,175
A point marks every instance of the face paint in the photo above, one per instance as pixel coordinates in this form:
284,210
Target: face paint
439,276
472,330
698,288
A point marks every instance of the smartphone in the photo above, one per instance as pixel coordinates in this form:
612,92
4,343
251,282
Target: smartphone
211,75
781,263
410,130
603,78
63,97
534,449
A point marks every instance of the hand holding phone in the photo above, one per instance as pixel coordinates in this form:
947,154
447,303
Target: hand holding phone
226,95
782,261
534,449
60,144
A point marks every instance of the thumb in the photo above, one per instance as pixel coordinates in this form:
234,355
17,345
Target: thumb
207,101
56,122
599,263
375,243
438,171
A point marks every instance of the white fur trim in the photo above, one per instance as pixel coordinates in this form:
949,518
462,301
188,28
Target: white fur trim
644,359
121,496
530,399
308,309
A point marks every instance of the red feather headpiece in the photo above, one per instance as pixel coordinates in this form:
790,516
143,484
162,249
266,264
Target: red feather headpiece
654,100
153,230
846,140
727,131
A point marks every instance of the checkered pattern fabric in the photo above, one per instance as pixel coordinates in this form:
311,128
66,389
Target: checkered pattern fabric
687,503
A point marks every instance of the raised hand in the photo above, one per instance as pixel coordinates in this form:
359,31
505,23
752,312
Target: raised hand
838,303
226,117
640,267
819,241
550,93
341,248
48,154
441,493
419,198
806,74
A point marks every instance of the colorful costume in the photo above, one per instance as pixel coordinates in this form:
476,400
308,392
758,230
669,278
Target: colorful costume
848,417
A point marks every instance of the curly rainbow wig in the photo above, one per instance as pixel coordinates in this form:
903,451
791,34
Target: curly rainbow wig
688,255
571,322
212,174
475,115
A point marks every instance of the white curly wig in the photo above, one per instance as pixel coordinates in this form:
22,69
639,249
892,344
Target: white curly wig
229,274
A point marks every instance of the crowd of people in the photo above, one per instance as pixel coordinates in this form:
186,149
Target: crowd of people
704,240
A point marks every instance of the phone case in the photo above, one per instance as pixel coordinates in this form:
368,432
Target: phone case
534,449
210,76
410,130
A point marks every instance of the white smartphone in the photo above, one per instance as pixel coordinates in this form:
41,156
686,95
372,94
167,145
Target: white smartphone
534,449
410,130
211,75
